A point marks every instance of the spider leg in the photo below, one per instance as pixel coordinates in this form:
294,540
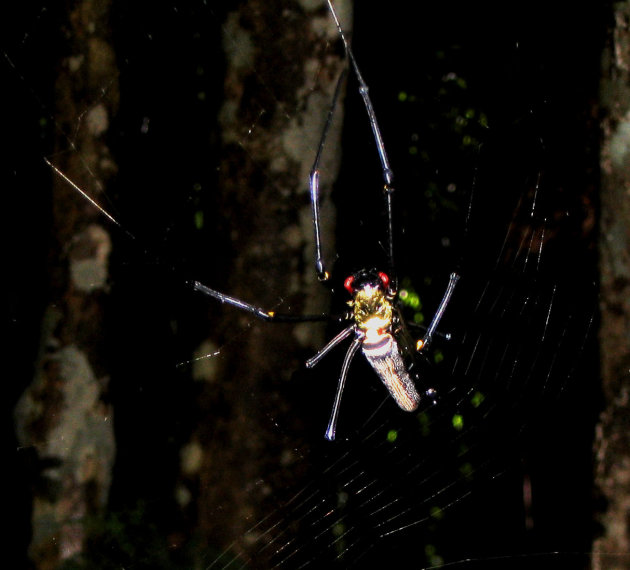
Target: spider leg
388,175
322,274
345,333
332,424
454,277
270,316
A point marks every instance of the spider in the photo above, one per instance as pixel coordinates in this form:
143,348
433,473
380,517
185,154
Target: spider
375,321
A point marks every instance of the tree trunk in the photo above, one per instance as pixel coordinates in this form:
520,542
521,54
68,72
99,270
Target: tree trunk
280,78
612,447
62,414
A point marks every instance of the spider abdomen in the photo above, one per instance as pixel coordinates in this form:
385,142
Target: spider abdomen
384,356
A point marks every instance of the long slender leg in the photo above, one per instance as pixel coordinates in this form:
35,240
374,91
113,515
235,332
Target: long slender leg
345,333
388,175
332,424
270,316
322,274
440,311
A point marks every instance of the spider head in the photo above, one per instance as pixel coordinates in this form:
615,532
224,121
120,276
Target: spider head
367,278
371,301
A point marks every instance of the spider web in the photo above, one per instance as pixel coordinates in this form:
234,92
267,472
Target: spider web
496,473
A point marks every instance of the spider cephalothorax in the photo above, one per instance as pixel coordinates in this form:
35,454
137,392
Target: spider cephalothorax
372,302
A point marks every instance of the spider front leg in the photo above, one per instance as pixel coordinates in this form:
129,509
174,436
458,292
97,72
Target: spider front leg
388,174
258,312
320,269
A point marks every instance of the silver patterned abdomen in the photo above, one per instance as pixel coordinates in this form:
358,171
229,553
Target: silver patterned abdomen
383,354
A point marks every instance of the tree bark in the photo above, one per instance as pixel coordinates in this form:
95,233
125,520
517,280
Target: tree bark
62,414
612,446
281,72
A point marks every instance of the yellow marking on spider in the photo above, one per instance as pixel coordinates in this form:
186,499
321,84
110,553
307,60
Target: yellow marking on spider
372,309
419,345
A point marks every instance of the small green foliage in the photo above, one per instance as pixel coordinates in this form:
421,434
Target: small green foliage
430,549
199,219
477,399
458,422
466,469
392,435
438,356
437,513
410,299
433,558
423,419
338,529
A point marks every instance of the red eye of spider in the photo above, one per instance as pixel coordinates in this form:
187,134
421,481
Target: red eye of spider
348,284
384,279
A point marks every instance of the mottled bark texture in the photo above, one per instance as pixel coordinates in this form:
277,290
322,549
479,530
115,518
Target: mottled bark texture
612,435
282,65
62,414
